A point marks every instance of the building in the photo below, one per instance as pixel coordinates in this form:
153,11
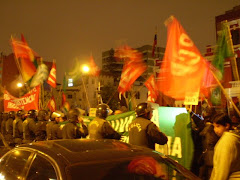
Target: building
231,66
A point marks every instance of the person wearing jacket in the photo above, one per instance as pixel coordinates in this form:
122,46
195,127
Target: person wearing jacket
226,159
29,127
142,131
17,127
99,127
42,119
71,130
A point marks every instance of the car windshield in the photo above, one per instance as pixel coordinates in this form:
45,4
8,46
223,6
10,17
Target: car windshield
137,168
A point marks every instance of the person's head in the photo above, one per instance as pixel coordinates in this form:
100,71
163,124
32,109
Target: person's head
32,113
11,114
102,111
73,115
221,123
43,115
57,116
21,114
144,110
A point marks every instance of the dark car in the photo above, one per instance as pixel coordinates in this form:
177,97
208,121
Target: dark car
88,159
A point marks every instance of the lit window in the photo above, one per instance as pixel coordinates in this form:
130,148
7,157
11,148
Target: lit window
70,82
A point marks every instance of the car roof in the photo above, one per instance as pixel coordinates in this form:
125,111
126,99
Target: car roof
87,150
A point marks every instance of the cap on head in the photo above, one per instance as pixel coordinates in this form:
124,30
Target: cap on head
73,114
102,111
32,113
11,114
20,113
143,108
42,114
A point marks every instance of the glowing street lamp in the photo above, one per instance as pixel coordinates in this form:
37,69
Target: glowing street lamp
19,85
85,68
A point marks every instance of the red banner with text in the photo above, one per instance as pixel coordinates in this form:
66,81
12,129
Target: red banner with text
26,102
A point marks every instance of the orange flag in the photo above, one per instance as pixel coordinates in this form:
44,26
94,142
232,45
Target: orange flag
152,89
52,76
132,69
26,54
94,70
183,66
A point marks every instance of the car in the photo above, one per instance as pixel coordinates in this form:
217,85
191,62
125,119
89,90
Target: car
88,159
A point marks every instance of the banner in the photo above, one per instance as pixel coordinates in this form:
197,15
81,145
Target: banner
27,102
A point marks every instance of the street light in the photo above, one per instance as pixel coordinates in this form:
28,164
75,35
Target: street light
19,85
85,68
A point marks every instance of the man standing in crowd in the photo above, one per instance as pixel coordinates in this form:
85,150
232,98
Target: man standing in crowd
227,150
17,127
53,127
42,117
3,124
99,127
71,129
142,131
9,127
29,127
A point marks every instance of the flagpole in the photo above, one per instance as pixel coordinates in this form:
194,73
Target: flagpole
225,93
85,92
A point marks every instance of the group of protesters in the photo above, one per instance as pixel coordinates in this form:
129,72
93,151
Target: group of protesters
216,145
216,138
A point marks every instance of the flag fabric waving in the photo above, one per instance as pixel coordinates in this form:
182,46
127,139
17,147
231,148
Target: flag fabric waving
52,104
154,45
26,55
183,66
224,49
152,89
94,70
133,67
52,76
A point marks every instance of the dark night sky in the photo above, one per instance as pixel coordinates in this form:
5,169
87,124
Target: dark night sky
65,30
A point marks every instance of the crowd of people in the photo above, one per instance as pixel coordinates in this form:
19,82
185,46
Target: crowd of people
216,138
217,146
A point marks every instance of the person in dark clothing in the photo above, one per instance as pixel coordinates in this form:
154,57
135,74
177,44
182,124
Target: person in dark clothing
17,127
9,127
207,141
71,130
29,127
3,123
99,127
142,131
53,127
41,132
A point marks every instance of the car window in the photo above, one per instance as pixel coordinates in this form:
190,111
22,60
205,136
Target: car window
41,169
12,164
142,168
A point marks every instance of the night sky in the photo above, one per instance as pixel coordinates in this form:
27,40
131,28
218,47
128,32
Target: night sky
66,30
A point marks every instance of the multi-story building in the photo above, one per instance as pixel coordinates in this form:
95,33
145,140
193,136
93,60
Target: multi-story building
231,81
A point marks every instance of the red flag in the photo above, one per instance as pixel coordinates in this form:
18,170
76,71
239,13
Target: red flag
183,66
94,70
64,99
52,104
23,51
154,45
152,88
132,69
52,76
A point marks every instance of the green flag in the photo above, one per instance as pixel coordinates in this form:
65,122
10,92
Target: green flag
224,48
